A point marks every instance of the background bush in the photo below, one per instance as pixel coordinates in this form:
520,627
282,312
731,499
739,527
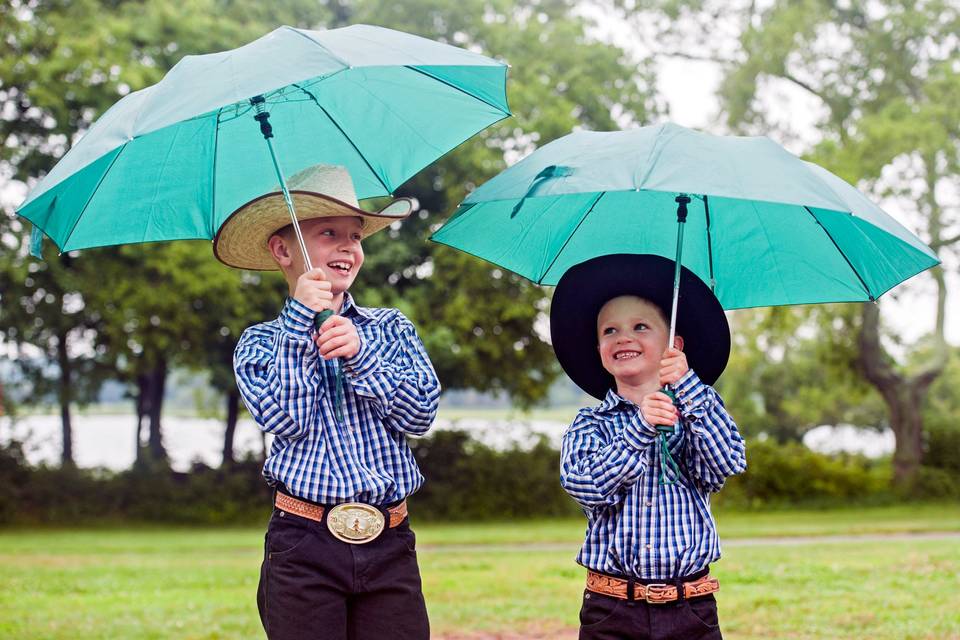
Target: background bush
466,480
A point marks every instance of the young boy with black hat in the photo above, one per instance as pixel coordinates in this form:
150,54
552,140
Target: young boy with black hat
643,465
339,559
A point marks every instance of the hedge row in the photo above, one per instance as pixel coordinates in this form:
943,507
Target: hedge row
467,480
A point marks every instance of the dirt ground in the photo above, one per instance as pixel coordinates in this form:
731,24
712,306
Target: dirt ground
532,633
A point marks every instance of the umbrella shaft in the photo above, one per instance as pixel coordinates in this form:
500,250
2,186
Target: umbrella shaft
286,198
676,285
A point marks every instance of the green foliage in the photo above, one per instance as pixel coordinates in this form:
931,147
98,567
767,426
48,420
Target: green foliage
792,369
467,480
791,474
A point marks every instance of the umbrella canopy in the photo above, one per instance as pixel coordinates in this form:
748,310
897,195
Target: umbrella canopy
764,227
172,161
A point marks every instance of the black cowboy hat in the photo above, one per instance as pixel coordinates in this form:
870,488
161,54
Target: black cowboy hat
586,287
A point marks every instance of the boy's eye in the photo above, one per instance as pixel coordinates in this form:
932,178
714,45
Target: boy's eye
608,331
327,232
357,237
640,327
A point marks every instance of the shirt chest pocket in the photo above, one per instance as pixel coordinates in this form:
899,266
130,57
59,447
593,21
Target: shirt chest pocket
373,339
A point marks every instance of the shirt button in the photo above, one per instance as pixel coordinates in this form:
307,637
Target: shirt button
648,547
649,503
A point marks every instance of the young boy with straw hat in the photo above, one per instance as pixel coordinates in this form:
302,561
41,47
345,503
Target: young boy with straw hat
643,465
340,400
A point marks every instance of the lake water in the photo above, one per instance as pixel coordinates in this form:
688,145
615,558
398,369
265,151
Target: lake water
108,440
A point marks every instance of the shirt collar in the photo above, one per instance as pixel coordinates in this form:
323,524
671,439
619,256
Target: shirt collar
612,402
352,309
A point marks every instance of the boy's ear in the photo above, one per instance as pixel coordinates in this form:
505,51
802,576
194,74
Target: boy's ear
279,250
678,343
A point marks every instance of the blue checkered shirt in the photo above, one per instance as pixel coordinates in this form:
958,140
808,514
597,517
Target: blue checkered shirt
610,464
390,391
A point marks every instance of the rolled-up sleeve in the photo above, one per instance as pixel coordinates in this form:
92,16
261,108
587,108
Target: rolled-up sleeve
400,381
278,377
594,472
714,449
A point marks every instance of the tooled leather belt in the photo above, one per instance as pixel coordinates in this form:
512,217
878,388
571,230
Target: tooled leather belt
650,593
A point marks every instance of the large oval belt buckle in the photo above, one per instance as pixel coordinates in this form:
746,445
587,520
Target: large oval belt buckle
355,522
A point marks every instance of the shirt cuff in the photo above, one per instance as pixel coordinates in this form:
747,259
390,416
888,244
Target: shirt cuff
692,394
362,363
296,318
639,433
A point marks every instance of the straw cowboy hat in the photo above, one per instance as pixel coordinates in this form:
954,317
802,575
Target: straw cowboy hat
320,191
586,287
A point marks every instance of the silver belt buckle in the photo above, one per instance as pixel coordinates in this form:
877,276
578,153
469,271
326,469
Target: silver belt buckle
355,522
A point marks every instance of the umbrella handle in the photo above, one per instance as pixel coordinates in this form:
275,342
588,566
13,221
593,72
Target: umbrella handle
318,320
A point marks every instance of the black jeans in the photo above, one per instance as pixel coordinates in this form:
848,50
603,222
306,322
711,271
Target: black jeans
604,617
315,586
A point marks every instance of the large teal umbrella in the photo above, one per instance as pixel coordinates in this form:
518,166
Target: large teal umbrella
763,227
172,161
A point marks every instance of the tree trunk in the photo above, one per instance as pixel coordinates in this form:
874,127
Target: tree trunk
64,396
904,395
233,410
141,402
150,390
158,383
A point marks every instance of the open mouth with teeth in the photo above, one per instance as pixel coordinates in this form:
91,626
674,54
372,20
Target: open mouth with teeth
341,267
626,355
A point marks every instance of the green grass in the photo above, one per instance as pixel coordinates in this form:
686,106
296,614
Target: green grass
200,583
732,524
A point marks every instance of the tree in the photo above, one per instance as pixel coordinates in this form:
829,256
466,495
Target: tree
884,82
63,64
886,77
44,314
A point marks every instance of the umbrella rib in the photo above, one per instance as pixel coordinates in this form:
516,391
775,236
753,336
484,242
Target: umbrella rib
569,238
346,137
460,89
706,211
321,45
93,193
849,264
213,175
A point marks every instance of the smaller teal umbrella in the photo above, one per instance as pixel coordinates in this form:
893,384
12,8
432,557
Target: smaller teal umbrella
763,227
760,226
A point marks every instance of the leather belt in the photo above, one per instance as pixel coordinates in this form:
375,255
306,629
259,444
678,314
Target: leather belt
650,593
352,522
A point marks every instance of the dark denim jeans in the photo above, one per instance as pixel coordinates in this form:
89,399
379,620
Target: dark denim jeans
315,586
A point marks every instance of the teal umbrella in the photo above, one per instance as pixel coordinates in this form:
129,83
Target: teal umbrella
172,161
765,227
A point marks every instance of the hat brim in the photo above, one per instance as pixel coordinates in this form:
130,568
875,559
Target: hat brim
586,287
241,241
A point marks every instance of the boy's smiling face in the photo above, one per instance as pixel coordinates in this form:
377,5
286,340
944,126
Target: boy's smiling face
632,335
334,246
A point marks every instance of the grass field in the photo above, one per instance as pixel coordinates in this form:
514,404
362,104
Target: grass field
496,580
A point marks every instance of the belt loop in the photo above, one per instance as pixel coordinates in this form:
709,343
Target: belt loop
681,595
630,590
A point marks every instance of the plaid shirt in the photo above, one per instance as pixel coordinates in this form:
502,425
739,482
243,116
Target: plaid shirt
390,391
611,465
